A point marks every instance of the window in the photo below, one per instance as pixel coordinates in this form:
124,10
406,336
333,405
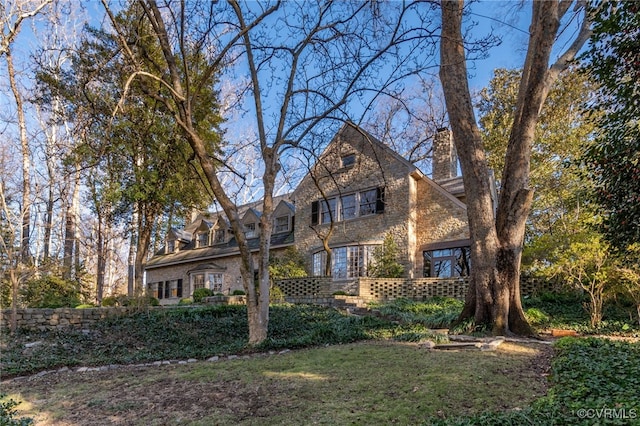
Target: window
348,160
348,206
282,224
346,262
203,239
160,290
219,236
368,202
198,281
171,246
214,281
447,263
339,266
250,230
319,261
328,210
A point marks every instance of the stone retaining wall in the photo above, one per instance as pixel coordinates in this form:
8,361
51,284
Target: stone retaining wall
48,319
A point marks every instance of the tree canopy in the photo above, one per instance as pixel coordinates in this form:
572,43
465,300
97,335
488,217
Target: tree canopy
613,159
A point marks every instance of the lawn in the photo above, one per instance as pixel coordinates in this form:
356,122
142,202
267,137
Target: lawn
381,382
319,366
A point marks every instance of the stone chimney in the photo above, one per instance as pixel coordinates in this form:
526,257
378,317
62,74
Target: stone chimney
445,160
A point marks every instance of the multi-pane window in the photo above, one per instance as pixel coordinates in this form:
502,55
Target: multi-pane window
250,230
282,224
319,262
214,281
339,266
368,202
346,262
328,210
198,281
348,206
447,263
219,236
165,289
203,239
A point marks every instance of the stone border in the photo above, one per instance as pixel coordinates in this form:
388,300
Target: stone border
112,367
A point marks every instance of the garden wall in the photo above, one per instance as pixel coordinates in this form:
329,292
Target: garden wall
300,290
48,319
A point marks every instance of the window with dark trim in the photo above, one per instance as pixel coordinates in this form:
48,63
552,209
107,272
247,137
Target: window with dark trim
348,160
203,239
447,262
348,206
219,236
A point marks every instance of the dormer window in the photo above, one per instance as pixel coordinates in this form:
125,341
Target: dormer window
203,239
348,160
250,230
171,246
281,224
219,236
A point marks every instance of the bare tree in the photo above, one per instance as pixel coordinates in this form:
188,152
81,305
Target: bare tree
496,242
319,61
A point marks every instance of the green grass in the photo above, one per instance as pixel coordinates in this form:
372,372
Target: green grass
356,383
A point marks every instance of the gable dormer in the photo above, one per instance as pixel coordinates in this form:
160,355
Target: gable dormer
283,216
176,239
202,234
251,223
220,231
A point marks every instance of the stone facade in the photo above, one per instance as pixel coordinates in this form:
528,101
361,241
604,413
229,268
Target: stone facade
358,192
375,166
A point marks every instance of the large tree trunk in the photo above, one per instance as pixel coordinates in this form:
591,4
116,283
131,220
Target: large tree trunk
496,247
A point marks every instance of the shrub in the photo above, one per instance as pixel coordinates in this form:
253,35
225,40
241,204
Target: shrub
110,301
137,301
385,260
289,265
276,295
201,293
238,293
51,292
186,301
85,306
8,411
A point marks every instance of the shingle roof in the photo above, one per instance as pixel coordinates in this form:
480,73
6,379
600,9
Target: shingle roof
189,253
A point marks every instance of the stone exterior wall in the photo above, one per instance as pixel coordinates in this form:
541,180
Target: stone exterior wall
231,274
375,166
49,319
440,218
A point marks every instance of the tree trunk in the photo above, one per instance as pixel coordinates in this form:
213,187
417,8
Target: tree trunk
101,261
25,254
145,230
496,248
48,224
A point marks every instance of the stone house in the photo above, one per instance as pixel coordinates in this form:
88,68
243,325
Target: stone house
358,192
